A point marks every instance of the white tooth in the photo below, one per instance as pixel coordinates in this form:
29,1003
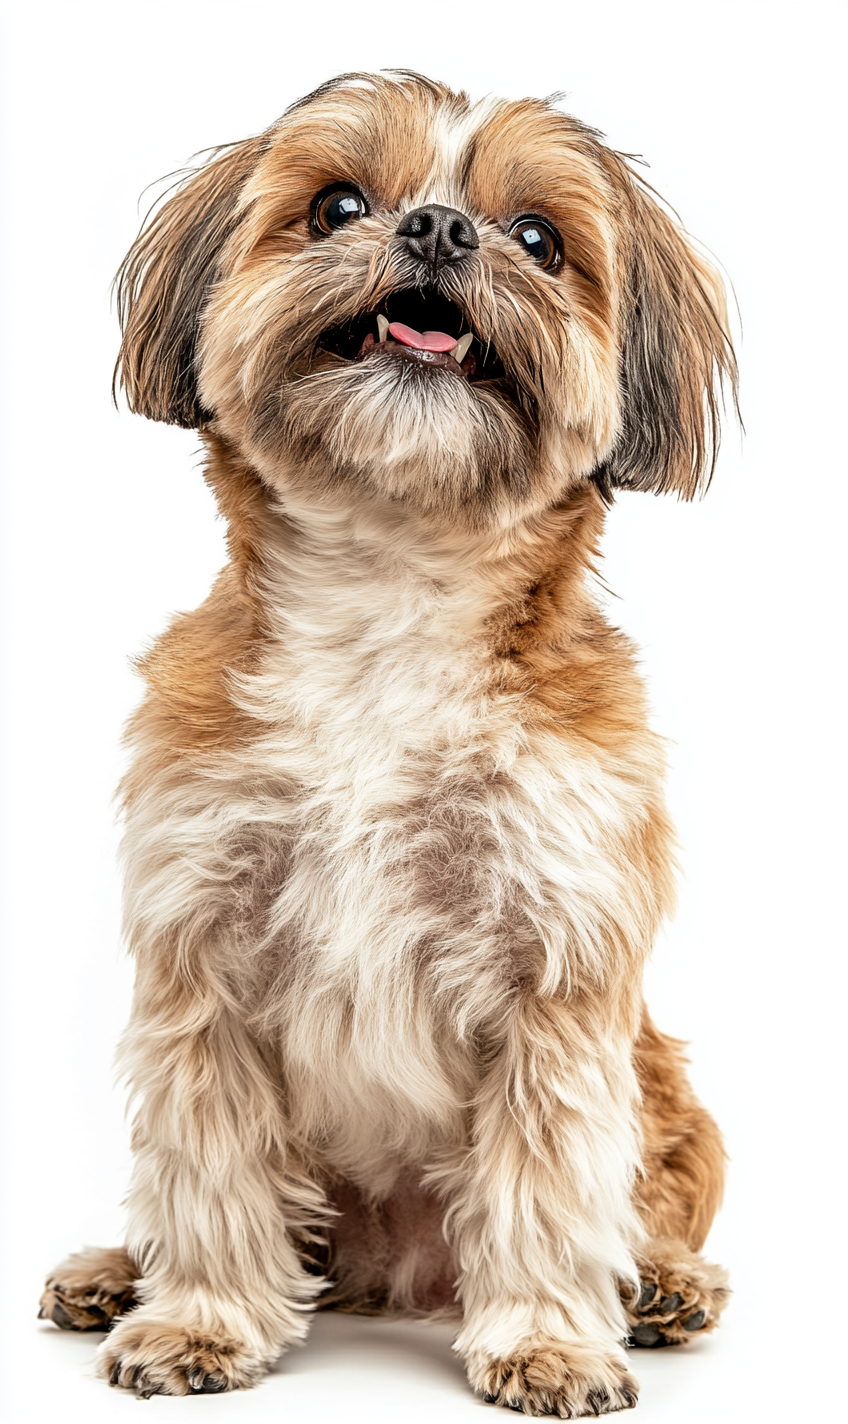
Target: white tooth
460,351
382,328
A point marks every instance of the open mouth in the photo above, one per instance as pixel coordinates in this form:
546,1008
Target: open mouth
418,326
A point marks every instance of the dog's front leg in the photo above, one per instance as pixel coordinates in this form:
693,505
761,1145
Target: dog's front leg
542,1217
223,1290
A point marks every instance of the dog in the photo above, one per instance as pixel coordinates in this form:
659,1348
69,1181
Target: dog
395,842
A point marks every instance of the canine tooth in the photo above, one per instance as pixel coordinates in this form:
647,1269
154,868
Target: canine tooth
460,351
382,328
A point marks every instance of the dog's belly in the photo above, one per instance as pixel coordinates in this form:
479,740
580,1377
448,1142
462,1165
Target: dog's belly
388,1253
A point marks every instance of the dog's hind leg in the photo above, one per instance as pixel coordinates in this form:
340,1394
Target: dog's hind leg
681,1295
682,1151
90,1289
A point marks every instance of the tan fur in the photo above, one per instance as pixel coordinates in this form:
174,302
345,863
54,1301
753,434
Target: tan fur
396,848
682,1152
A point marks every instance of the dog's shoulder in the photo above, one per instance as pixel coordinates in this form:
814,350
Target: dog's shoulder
189,707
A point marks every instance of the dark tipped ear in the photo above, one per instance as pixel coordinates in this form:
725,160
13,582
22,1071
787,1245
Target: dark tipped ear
164,282
676,353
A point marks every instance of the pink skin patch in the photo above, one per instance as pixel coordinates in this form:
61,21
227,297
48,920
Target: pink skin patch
421,340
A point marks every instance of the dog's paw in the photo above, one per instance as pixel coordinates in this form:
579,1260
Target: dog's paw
89,1290
552,1378
155,1357
681,1297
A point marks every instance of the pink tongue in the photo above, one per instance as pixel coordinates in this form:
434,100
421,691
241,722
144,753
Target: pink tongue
421,340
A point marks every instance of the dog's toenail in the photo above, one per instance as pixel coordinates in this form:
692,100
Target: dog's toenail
649,1290
646,1335
61,1317
671,1302
212,1384
695,1321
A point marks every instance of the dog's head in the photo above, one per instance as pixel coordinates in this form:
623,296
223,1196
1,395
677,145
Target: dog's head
467,308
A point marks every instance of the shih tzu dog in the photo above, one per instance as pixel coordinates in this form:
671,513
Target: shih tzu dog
396,848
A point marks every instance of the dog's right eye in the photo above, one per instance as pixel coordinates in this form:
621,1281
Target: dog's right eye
336,208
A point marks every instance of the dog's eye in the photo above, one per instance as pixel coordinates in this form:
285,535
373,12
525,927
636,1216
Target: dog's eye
335,209
538,240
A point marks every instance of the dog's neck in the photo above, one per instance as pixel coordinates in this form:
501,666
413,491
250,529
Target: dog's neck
356,572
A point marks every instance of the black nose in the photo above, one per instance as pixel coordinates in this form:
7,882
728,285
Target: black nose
438,235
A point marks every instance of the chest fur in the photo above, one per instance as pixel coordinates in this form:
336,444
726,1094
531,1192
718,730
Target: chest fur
442,838
403,844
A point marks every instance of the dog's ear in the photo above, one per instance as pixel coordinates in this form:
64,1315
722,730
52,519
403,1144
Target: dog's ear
164,283
676,354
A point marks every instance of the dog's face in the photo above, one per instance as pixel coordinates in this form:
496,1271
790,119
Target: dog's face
465,308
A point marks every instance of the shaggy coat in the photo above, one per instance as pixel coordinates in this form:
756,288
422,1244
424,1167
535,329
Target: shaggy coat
396,849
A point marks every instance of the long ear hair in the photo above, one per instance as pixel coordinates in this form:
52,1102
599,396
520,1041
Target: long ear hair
676,355
164,281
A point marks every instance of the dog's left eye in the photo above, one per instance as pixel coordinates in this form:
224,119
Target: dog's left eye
539,240
335,209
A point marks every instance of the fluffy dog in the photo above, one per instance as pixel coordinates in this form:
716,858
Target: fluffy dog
396,849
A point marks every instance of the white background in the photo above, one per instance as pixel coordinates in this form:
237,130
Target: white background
108,529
